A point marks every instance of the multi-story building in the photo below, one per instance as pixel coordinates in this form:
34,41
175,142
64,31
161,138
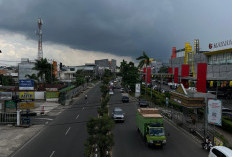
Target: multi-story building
219,67
103,64
26,68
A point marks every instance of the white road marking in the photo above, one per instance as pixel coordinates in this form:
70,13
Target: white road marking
46,122
83,108
67,131
77,116
44,118
52,153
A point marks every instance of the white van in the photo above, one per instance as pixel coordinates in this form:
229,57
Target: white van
220,151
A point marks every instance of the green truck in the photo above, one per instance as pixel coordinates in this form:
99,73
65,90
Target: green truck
151,125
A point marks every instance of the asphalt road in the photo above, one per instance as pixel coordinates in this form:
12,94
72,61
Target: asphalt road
64,136
128,142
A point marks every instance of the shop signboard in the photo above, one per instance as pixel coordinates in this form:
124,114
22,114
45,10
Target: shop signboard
5,95
215,112
26,85
10,104
27,105
26,95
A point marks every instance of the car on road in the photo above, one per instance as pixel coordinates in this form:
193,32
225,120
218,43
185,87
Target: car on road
118,115
143,102
220,151
111,92
125,97
122,90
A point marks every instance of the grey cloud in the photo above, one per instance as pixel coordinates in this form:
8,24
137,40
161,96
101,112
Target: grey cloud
120,27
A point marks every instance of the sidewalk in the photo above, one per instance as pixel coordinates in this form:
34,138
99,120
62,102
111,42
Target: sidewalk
12,137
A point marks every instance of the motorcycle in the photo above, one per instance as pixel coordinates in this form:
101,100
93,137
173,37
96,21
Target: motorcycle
207,144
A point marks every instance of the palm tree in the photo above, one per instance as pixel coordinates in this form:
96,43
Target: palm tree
44,69
144,60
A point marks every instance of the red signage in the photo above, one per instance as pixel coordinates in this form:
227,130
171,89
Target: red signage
176,75
201,77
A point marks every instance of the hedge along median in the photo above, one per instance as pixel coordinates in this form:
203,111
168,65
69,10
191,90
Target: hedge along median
227,124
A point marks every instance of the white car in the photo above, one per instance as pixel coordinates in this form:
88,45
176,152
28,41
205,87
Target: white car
217,151
111,92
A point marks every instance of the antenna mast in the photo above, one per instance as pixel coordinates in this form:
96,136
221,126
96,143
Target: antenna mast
39,33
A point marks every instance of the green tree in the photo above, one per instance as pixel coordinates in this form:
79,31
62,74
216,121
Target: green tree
7,80
130,74
100,136
44,70
80,78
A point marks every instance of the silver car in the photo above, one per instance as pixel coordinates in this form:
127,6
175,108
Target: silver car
118,115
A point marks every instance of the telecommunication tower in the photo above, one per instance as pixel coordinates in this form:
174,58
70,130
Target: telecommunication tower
39,33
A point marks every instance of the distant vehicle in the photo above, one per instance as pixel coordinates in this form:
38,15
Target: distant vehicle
118,114
150,126
111,92
220,151
154,87
143,102
125,97
122,90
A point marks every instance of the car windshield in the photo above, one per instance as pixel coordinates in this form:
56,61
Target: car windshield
156,131
118,112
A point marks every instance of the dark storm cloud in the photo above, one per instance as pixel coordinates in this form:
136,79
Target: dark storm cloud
121,27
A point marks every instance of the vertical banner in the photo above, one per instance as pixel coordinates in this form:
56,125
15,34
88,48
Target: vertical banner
185,73
170,70
149,75
144,74
173,52
201,77
137,89
215,112
176,75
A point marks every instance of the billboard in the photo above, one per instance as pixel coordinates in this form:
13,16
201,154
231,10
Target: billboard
26,85
26,95
215,112
27,105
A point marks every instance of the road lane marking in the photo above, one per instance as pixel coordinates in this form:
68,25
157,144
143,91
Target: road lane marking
44,118
83,108
77,116
52,153
67,131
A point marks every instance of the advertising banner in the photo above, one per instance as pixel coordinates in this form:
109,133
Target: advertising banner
26,95
26,85
201,77
27,105
137,88
215,112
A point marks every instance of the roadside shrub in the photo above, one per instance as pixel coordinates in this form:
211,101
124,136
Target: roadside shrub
227,124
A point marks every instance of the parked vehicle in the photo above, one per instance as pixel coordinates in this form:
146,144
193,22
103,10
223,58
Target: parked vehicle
220,151
118,114
125,97
150,125
143,102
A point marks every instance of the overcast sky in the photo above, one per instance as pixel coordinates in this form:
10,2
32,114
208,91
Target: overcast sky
79,31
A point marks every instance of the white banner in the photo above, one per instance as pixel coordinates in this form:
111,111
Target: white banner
215,112
137,88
